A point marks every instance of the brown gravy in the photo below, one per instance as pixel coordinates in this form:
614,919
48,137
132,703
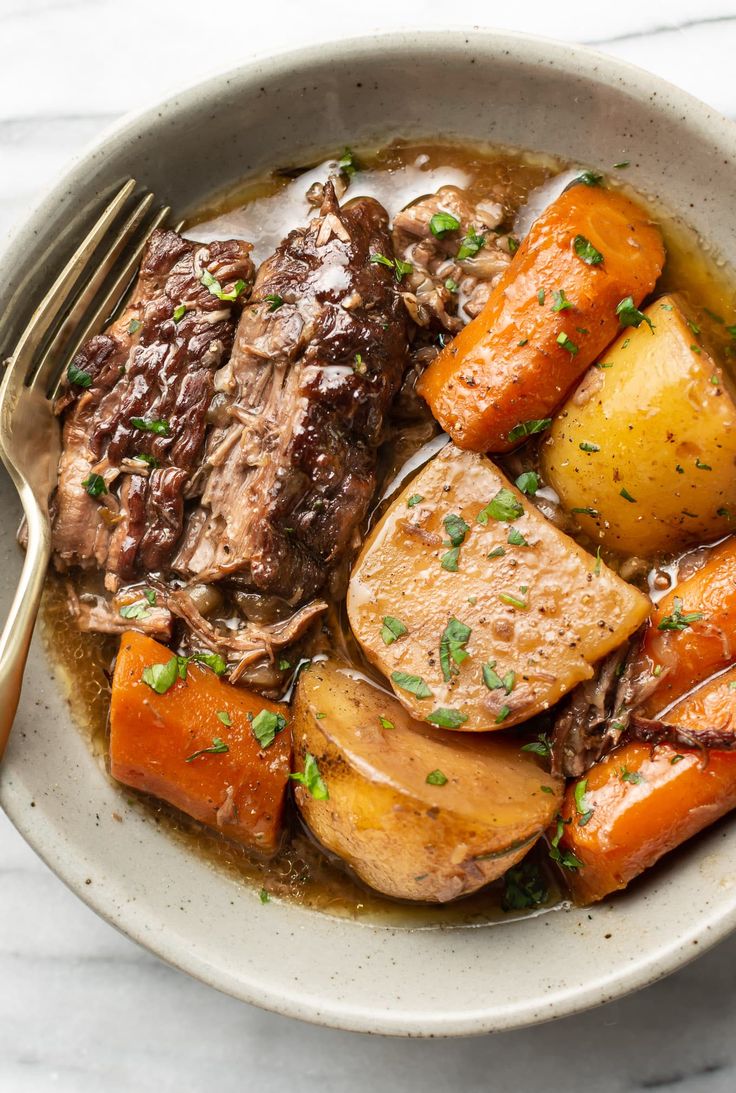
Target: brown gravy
264,211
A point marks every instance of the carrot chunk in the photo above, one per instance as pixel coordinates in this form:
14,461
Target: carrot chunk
640,802
692,632
195,744
550,316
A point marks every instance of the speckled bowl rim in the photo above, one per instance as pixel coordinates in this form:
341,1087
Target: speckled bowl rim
660,959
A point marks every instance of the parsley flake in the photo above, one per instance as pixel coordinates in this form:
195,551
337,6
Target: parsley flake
391,630
447,719
414,685
265,726
311,779
442,223
529,428
452,647
586,252
677,620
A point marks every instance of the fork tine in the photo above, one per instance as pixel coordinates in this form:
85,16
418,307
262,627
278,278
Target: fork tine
48,310
103,310
102,267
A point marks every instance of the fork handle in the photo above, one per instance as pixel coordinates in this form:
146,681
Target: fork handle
18,630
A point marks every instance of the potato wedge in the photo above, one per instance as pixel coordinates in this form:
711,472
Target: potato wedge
648,441
403,835
538,609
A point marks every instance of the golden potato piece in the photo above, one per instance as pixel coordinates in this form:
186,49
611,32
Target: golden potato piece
481,810
540,611
648,441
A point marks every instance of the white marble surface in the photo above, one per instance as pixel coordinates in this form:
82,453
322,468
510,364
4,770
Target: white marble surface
83,1009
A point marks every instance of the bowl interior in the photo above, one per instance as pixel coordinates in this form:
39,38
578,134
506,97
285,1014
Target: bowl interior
476,86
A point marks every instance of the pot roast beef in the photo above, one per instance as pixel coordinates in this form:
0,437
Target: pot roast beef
136,406
290,468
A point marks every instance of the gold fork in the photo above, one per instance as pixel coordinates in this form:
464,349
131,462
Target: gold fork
81,300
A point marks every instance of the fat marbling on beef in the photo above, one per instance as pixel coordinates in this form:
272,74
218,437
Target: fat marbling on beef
319,354
136,407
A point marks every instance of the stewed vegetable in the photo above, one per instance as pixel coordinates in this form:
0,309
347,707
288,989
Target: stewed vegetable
358,653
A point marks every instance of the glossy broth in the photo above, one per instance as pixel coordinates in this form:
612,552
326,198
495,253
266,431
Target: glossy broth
264,211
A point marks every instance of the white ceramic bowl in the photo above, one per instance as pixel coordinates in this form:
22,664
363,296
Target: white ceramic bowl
475,85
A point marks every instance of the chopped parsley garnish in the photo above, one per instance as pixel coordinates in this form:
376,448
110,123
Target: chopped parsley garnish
565,858
451,286
415,499
702,466
436,778
150,596
513,601
567,343
515,538
528,483
561,301
137,610
94,484
523,887
160,427
442,223
265,725
225,718
493,680
631,776
627,496
346,162
385,723
452,647
586,446
540,746
581,804
161,677
529,428
513,245
284,664
414,685
144,457
218,747
497,552
449,560
180,312
217,290
274,301
540,297
456,528
311,779
470,245
359,364
677,620
586,252
628,315
505,507
447,719
589,178
400,268
391,630
263,896
78,376
586,512
134,326
213,661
